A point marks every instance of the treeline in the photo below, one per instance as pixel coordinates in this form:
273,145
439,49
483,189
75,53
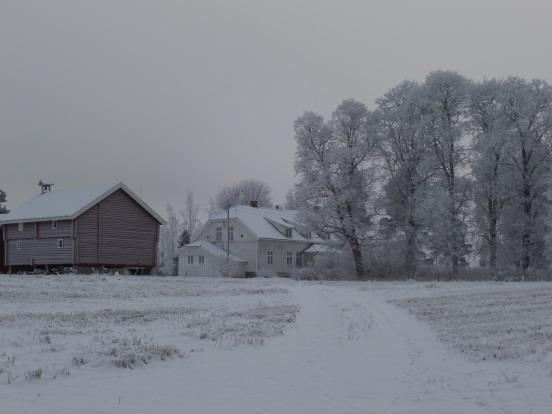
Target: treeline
3,200
438,172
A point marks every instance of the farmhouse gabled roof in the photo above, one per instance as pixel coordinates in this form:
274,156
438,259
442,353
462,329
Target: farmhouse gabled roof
263,222
68,204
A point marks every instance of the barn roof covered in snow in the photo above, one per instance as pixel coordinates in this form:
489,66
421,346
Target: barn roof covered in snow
68,204
267,223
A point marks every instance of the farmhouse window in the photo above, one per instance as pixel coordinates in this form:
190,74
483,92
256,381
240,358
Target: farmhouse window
19,244
54,225
219,233
289,258
60,243
298,259
231,233
201,259
288,233
190,259
270,257
20,226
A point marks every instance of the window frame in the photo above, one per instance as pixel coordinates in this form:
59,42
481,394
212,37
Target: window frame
231,233
218,233
289,233
54,225
20,227
191,260
299,259
289,258
201,259
60,243
19,244
269,257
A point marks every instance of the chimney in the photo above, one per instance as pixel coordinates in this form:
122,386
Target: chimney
253,203
45,187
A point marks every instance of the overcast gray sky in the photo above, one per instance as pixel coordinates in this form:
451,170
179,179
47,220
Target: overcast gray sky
175,95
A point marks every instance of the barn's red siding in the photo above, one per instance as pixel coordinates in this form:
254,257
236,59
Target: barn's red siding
117,232
86,233
39,244
2,251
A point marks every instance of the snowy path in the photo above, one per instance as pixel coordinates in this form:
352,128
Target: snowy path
350,353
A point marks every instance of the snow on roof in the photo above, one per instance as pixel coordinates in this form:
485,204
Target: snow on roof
214,250
68,204
319,248
258,220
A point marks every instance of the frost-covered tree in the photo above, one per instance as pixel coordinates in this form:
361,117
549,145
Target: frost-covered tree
3,199
243,193
334,165
255,190
189,214
168,242
490,130
292,200
408,162
446,97
528,108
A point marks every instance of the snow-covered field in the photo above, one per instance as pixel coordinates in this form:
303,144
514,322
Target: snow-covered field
105,344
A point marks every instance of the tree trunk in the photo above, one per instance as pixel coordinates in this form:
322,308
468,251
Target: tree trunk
354,243
526,236
492,235
527,211
492,244
410,254
357,257
454,235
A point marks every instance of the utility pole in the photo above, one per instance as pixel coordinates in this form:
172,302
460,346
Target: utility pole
228,234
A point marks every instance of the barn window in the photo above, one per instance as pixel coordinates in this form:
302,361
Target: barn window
289,258
288,233
270,257
20,227
60,243
190,259
298,259
231,233
19,244
201,259
54,225
219,233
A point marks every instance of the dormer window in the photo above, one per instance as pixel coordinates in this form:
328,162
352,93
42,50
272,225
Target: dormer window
289,233
54,225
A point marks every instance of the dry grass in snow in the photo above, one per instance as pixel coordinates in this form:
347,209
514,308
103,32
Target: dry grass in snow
53,325
488,321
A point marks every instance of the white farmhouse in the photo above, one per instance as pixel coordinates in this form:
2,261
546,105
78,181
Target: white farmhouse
261,241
